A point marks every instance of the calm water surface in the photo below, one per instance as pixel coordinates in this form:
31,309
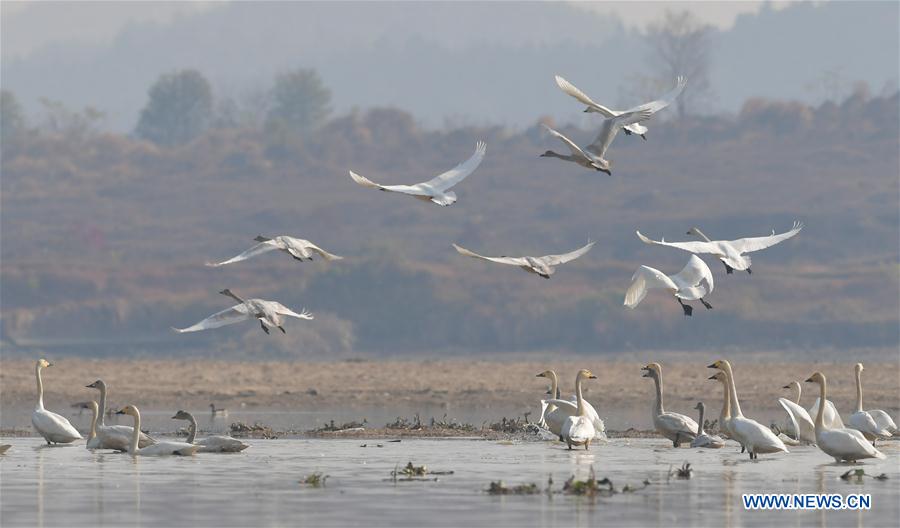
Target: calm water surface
71,486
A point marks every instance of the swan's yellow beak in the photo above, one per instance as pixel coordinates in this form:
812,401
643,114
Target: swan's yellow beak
713,378
717,364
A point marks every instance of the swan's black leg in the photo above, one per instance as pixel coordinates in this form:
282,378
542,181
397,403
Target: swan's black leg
627,132
688,310
749,271
644,137
743,448
708,306
728,269
297,258
675,442
282,329
263,326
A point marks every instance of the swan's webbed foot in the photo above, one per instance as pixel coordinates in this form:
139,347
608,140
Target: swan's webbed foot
263,326
297,258
688,310
676,443
728,269
743,448
627,132
749,271
644,137
708,306
282,329
587,445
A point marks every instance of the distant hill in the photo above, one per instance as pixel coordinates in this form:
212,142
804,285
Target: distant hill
104,237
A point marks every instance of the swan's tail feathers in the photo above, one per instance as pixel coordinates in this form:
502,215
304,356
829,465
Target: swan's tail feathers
306,314
365,182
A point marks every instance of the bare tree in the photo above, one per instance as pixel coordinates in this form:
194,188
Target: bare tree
681,45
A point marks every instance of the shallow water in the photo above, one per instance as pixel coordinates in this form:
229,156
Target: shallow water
70,486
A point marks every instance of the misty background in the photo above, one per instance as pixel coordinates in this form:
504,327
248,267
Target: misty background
130,159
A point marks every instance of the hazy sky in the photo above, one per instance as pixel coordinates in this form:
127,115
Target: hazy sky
29,25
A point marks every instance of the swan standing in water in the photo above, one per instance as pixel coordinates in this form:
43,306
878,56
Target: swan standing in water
556,409
685,285
578,429
157,449
636,128
112,436
269,313
210,444
703,439
544,266
730,252
54,428
753,436
864,421
676,427
802,429
296,247
593,155
437,189
844,443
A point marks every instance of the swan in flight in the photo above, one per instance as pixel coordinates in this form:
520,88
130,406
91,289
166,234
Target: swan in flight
703,439
635,128
437,189
676,427
578,429
685,285
841,443
157,449
593,156
54,428
269,313
802,429
210,444
752,435
730,252
296,247
555,410
112,436
543,266
865,421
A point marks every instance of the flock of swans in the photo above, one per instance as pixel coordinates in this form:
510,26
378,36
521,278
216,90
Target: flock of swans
574,420
576,423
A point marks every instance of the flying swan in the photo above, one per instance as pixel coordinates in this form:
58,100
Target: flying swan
437,189
543,266
685,285
54,428
296,247
843,443
676,427
269,313
730,252
593,155
635,128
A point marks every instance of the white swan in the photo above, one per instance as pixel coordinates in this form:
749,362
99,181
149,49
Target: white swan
54,428
269,313
437,189
802,429
725,413
730,252
686,284
555,410
296,247
844,443
593,156
832,417
543,266
752,435
210,444
111,436
578,429
703,439
864,421
157,449
676,427
636,128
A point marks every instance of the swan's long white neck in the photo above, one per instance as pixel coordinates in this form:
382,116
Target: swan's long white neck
193,429
40,386
726,405
93,432
136,434
700,421
657,378
554,385
859,405
796,390
580,410
735,404
102,420
820,416
701,235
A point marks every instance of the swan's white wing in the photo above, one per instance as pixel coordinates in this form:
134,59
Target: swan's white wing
883,420
665,100
258,249
694,272
405,189
610,128
747,245
298,247
848,442
284,310
322,253
455,175
678,422
513,261
576,150
554,260
48,423
831,417
572,91
232,315
644,279
693,247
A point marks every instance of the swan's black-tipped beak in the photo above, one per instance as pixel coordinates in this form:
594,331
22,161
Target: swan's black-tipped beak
592,377
541,375
810,380
712,378
786,387
548,392
587,110
174,418
120,411
712,366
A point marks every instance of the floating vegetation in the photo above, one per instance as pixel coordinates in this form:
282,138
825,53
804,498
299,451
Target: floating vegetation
511,426
257,430
331,427
684,472
403,423
859,473
497,488
376,445
315,480
415,424
412,472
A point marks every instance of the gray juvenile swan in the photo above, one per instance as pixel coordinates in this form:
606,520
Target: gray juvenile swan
157,449
544,266
676,427
593,156
269,313
296,247
703,439
210,444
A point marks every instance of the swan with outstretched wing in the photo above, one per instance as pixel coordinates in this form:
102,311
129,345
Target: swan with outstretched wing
544,266
269,313
686,285
298,248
